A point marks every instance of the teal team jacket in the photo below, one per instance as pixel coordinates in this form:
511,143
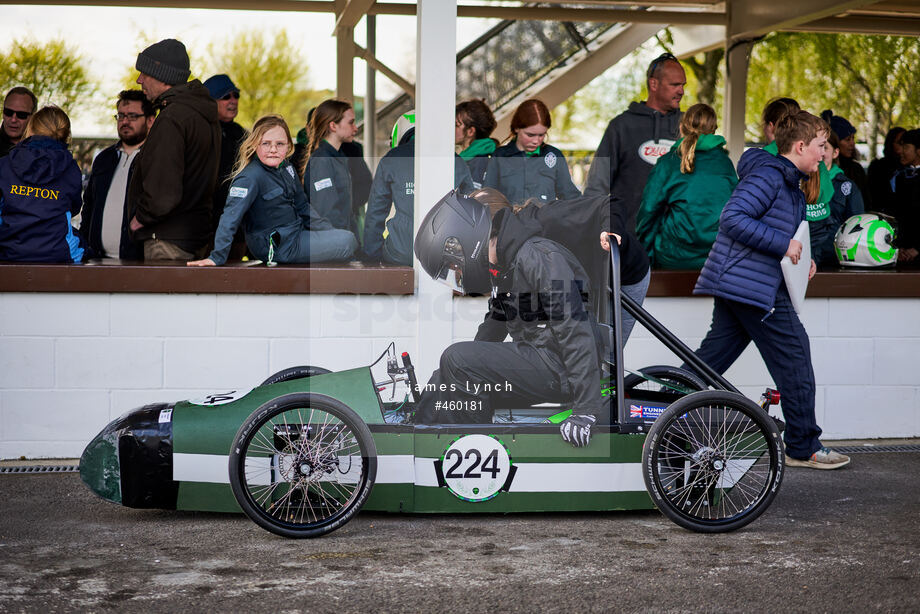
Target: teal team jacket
679,214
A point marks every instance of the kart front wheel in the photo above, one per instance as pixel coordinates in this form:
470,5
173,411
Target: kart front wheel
302,465
713,461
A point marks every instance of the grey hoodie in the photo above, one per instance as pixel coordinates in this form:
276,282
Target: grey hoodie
632,143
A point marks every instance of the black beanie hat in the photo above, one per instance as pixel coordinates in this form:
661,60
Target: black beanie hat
165,61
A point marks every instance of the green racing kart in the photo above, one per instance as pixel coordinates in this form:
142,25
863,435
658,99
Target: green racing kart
307,449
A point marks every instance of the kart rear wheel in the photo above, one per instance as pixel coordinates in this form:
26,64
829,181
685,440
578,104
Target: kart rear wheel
294,373
673,382
713,461
302,465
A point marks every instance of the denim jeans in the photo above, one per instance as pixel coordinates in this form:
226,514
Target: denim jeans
318,246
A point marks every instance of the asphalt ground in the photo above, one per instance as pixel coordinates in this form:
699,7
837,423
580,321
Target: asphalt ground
833,541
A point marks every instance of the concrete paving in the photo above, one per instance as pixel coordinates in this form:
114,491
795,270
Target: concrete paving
833,541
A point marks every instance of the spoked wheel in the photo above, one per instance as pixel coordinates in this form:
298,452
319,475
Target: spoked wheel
294,373
713,461
670,382
302,465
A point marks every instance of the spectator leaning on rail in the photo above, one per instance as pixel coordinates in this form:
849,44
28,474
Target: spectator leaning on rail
527,167
473,125
394,187
227,96
845,202
326,175
175,174
105,216
635,139
881,170
39,193
679,215
743,274
358,170
18,105
906,188
267,199
846,135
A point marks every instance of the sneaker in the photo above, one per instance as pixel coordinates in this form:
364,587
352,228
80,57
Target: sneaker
825,458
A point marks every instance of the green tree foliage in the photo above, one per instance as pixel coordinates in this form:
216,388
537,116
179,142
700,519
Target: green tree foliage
271,73
870,80
54,71
580,121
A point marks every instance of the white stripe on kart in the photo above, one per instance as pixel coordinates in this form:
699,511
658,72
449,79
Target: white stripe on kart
406,469
214,468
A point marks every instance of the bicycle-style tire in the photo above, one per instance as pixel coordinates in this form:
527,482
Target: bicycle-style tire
302,465
713,461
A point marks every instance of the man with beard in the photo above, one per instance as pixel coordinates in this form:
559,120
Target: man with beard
105,216
175,174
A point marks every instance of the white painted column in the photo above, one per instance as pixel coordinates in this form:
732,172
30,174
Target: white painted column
737,60
435,97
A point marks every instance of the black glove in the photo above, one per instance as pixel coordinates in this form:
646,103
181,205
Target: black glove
576,429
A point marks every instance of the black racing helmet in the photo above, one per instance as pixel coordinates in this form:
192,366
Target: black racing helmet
452,243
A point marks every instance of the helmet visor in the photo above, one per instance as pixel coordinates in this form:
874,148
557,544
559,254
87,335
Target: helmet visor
452,262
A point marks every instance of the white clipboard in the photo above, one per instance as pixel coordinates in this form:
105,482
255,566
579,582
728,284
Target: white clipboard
796,275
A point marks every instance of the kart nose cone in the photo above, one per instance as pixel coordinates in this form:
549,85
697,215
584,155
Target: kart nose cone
99,468
130,461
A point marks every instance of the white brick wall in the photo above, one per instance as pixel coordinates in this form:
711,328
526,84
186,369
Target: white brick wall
69,363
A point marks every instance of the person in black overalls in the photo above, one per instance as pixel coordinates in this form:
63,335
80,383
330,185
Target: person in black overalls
540,292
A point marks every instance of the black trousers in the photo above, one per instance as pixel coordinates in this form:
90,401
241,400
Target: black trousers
783,344
476,376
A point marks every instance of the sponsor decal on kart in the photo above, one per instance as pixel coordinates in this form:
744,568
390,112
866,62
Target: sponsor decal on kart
220,398
649,412
475,468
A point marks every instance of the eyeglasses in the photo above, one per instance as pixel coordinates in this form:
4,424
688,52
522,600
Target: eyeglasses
18,114
131,117
269,145
229,95
661,59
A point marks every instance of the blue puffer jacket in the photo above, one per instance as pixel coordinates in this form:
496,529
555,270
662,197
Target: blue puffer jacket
755,228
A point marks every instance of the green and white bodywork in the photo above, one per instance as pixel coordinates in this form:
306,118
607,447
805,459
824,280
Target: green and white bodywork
176,456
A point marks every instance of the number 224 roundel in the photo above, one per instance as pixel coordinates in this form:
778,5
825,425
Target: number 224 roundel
476,467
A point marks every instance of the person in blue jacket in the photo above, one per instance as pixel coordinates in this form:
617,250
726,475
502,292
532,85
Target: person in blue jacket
527,167
743,274
326,176
40,192
394,185
266,197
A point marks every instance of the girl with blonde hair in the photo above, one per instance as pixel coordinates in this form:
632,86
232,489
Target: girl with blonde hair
679,214
40,191
267,199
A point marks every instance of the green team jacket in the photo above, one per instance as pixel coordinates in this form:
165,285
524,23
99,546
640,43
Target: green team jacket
678,217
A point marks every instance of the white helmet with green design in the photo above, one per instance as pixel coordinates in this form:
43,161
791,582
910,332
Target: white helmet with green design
865,241
404,124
